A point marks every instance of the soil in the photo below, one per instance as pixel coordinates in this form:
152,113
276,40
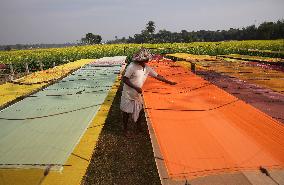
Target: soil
121,160
4,77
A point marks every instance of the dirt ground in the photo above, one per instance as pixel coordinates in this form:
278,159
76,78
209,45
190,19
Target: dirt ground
120,160
4,77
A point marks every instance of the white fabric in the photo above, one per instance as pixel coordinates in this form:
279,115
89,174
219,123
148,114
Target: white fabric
117,60
131,100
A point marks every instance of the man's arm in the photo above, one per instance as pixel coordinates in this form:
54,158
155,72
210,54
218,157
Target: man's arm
162,79
127,82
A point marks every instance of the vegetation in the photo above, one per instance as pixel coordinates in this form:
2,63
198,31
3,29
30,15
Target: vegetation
34,46
64,55
90,39
265,31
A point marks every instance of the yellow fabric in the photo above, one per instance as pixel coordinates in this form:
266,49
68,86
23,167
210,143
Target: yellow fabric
53,73
267,78
255,58
191,57
12,91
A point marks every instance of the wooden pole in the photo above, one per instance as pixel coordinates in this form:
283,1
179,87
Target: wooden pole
40,65
12,73
27,68
192,67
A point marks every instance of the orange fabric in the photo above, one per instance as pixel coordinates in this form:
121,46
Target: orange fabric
203,130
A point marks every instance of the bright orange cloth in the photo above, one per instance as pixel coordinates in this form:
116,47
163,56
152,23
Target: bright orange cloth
203,130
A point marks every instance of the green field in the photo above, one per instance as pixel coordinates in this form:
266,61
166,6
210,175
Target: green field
49,57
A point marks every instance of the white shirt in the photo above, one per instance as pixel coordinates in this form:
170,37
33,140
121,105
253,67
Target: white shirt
137,75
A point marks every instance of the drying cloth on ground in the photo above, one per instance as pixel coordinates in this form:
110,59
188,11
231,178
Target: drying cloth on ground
44,128
34,81
264,76
202,130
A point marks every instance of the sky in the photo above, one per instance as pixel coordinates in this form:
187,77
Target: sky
62,21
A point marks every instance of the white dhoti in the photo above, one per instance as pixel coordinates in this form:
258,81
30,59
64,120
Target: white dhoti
132,106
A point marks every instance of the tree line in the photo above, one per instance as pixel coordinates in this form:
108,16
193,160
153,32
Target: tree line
34,46
265,31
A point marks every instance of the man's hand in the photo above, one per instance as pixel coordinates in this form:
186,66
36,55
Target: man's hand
161,78
138,89
172,83
127,81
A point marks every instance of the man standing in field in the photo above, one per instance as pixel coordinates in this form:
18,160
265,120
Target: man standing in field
135,75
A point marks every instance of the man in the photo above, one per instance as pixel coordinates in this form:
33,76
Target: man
135,75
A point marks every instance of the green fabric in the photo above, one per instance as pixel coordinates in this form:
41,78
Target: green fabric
66,109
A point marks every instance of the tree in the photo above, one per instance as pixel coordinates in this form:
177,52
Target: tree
164,36
90,38
184,36
140,38
147,35
250,32
150,27
7,48
266,30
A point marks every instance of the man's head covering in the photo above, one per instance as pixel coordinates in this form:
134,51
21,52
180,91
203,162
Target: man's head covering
142,55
